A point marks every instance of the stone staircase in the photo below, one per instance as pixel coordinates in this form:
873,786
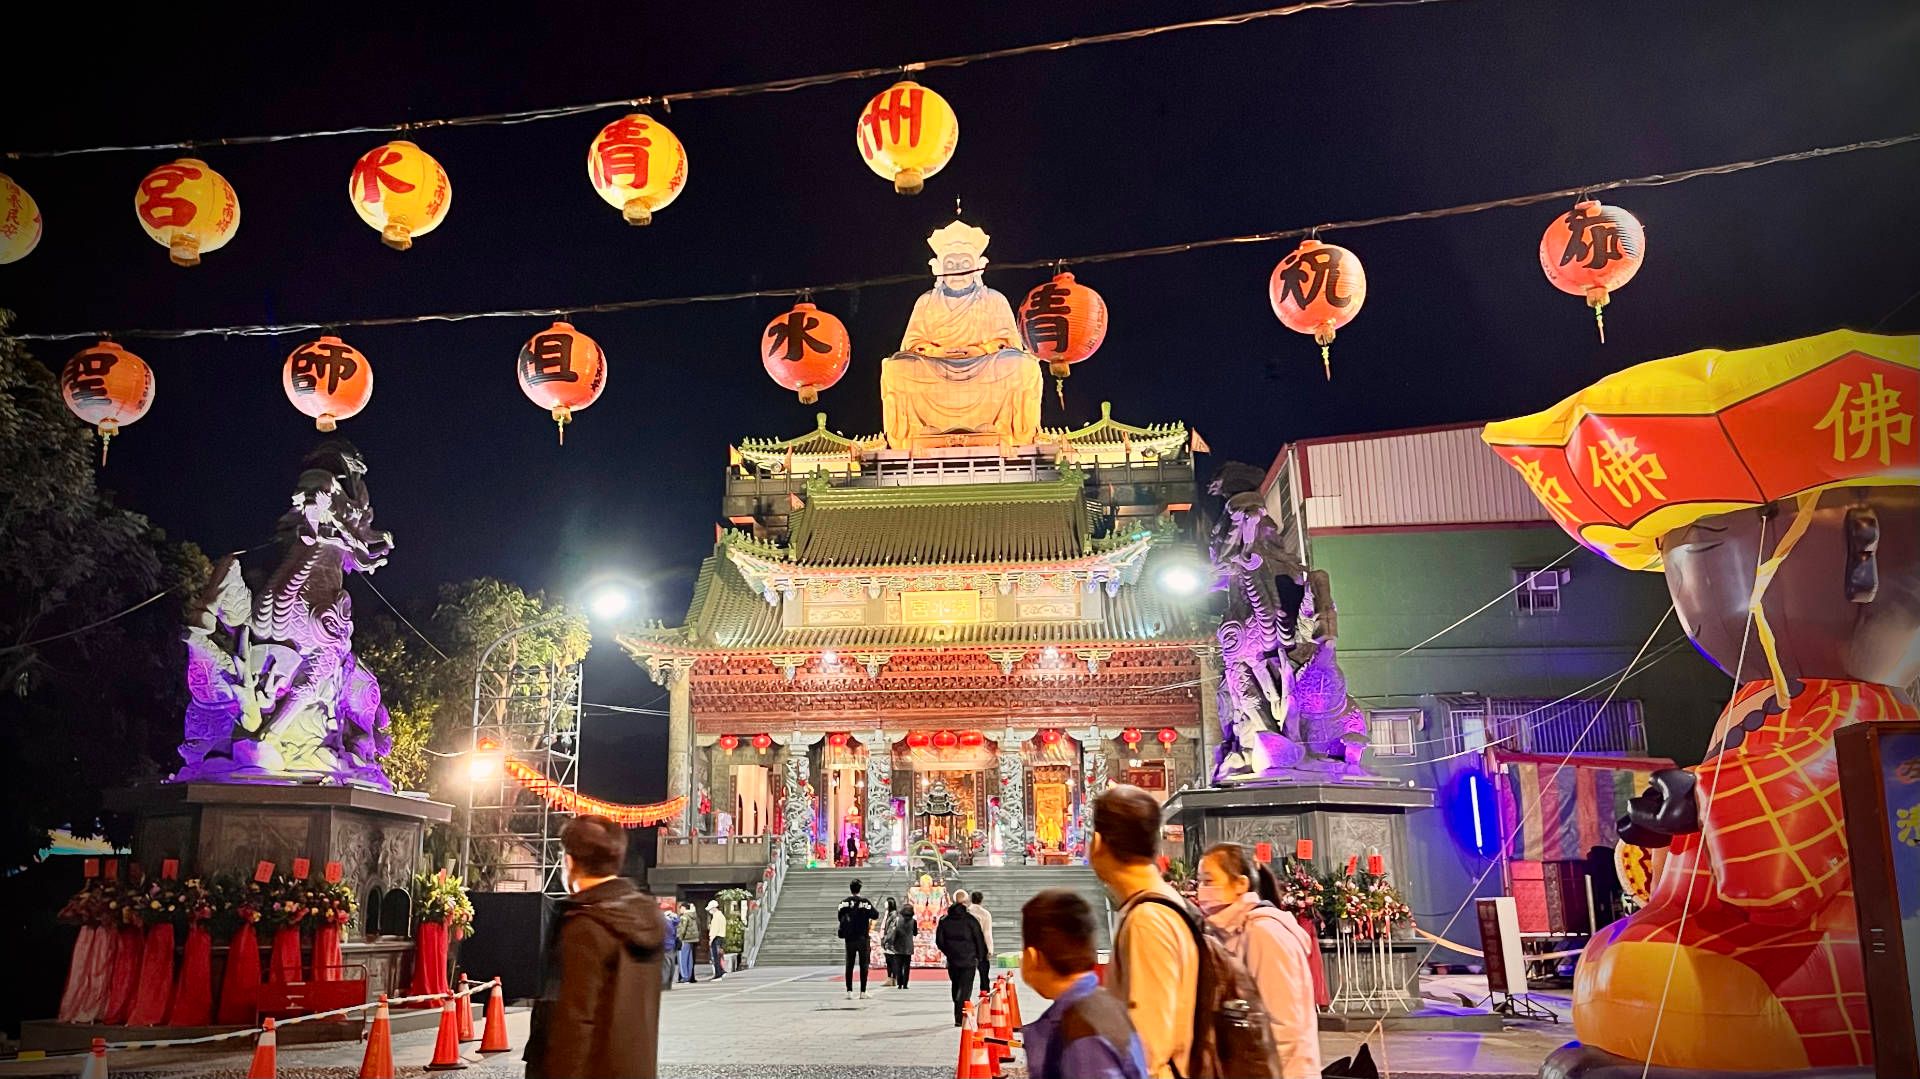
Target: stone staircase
801,931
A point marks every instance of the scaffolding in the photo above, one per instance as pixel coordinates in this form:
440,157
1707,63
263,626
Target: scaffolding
529,714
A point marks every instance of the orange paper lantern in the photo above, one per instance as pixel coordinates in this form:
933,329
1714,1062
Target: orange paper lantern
562,370
401,190
806,350
187,208
1591,250
637,166
1063,323
1317,290
327,379
108,387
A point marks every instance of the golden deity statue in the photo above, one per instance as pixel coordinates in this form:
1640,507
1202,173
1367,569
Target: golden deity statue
962,375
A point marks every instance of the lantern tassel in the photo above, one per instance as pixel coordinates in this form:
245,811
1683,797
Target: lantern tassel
1326,362
106,441
1060,390
1600,321
561,414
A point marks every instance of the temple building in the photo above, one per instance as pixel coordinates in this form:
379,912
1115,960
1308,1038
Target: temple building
953,632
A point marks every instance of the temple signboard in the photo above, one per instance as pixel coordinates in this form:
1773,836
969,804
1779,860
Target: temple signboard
943,606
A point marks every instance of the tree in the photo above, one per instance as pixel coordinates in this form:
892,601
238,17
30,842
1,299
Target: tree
90,685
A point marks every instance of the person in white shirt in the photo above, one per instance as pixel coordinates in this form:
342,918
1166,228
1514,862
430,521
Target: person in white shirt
1156,963
716,939
978,908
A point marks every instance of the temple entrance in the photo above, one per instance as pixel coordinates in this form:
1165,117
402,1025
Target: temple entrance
844,775
949,777
752,799
1054,797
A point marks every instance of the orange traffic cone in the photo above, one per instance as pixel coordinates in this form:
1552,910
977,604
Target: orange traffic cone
1012,1011
1002,1037
968,1035
265,1054
446,1047
981,1065
463,1014
378,1063
96,1065
494,1038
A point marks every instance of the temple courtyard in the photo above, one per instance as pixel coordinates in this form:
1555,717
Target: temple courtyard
796,1021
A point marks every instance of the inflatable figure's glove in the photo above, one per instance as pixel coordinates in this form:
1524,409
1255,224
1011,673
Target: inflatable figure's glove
1667,808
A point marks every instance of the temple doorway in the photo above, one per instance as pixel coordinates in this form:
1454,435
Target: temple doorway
752,799
947,790
844,772
1054,796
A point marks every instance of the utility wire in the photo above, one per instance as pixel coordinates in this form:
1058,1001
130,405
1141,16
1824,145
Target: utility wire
367,579
771,86
115,617
1299,232
1517,586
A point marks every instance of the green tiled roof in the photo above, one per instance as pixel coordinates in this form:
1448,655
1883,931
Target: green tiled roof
972,523
727,613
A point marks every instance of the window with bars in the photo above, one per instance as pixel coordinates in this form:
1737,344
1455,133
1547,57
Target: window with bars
1539,589
1391,731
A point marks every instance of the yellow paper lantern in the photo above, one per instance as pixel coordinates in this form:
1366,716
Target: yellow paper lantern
187,208
399,189
19,221
637,166
906,134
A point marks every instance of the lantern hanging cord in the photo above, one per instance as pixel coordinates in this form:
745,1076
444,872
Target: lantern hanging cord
771,86
367,580
115,617
1658,179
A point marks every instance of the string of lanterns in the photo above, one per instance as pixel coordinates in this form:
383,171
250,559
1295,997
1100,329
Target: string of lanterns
571,801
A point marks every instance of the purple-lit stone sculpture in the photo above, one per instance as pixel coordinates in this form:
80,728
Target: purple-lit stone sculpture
1284,708
276,693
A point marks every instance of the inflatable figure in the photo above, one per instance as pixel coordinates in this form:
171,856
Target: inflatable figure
1777,489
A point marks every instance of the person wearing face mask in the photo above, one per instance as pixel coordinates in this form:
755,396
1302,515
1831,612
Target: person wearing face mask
1239,898
1156,956
599,1009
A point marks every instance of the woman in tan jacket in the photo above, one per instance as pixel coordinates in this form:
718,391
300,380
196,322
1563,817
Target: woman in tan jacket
1238,897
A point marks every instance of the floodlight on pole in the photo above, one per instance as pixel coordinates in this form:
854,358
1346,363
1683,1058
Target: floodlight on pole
1179,579
610,601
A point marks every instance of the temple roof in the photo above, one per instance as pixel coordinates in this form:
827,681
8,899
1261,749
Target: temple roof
937,525
1105,439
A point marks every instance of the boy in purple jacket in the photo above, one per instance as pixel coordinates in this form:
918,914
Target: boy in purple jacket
1086,1033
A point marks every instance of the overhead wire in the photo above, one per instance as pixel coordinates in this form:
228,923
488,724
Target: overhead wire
768,86
1658,179
1517,586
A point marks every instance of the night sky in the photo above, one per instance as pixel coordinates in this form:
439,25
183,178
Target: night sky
1285,122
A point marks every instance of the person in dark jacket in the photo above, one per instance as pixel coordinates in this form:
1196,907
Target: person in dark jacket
960,940
898,958
856,917
599,1009
670,950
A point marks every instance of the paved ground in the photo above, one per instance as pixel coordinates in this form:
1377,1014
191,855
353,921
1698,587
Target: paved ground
794,1021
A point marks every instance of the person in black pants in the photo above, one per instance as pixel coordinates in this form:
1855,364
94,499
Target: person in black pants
960,940
856,919
899,933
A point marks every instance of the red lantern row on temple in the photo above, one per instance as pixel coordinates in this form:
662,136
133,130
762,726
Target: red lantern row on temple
971,738
945,740
1316,290
108,387
729,742
1131,736
1592,250
563,371
1050,737
837,739
917,739
806,350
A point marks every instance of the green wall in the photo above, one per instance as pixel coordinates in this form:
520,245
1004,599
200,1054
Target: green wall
1393,589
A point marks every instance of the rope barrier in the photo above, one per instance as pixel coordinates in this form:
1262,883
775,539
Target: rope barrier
249,1032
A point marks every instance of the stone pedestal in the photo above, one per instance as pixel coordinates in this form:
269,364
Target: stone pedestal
1342,819
230,828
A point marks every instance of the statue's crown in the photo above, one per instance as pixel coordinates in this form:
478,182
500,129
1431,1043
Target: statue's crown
959,238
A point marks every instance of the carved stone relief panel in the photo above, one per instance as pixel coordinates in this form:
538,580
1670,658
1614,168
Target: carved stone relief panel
1349,834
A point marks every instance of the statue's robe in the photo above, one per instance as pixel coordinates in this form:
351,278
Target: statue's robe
960,369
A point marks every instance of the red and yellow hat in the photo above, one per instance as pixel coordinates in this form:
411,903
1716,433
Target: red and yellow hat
1659,445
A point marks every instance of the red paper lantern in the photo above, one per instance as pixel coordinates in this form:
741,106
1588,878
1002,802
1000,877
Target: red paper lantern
916,739
971,738
1131,736
1063,323
729,742
1050,737
1591,250
108,387
1167,736
837,738
562,370
762,741
328,380
945,740
1317,290
806,350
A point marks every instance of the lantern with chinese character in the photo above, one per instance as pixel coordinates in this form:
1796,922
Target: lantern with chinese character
906,134
401,190
107,386
805,350
562,370
1167,736
637,166
1317,290
329,380
1131,736
19,221
1063,323
187,208
1591,250
762,742
729,742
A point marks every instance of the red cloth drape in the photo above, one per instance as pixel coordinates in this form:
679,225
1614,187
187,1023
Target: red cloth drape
283,965
155,991
1318,967
240,988
430,958
88,976
193,996
128,947
327,957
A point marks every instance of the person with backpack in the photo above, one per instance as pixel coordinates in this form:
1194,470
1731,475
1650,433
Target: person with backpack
1240,898
890,944
959,939
856,917
1189,996
1085,1033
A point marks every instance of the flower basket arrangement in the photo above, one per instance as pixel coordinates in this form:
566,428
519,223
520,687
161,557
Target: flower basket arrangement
440,901
1366,904
1303,893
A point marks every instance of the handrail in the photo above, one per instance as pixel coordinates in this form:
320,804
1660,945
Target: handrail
763,912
